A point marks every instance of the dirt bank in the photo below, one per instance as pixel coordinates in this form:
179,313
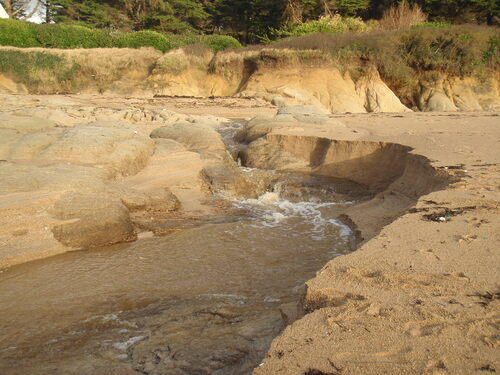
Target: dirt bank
280,76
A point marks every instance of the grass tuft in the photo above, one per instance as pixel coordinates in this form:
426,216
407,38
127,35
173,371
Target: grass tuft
34,68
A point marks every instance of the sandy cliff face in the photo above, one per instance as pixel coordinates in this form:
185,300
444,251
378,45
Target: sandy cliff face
283,77
452,94
325,87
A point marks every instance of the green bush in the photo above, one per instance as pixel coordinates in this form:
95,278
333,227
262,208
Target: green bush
143,38
492,52
71,36
17,33
327,24
403,56
457,50
220,42
180,40
215,42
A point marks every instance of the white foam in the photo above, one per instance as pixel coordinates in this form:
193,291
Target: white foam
274,211
275,217
124,345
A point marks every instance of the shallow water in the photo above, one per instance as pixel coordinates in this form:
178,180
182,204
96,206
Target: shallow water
100,306
203,300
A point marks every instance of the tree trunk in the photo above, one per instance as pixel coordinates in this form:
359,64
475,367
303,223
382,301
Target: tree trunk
7,5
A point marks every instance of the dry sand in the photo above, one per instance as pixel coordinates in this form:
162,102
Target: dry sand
421,296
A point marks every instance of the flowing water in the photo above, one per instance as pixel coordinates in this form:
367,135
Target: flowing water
205,300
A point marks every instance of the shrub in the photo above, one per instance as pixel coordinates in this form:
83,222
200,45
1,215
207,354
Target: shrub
17,33
457,50
143,38
326,24
220,42
492,53
71,36
216,42
197,50
172,63
180,40
402,16
30,67
403,56
432,24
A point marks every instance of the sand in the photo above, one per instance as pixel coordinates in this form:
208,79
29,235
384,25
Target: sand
420,295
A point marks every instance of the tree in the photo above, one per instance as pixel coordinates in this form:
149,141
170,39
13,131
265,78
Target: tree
247,19
161,15
487,9
20,8
456,11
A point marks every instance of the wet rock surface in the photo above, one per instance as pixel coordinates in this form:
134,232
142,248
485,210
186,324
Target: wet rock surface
94,219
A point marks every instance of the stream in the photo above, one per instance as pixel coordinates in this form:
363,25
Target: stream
203,300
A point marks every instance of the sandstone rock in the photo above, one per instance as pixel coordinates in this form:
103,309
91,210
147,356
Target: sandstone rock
167,146
263,154
30,145
465,99
259,127
302,110
289,312
94,219
120,124
238,183
378,97
193,136
442,93
278,101
472,94
25,123
25,178
156,199
208,120
8,86
439,101
122,151
373,164
292,117
8,139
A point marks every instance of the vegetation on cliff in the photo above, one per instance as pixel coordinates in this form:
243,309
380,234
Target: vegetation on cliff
402,56
403,47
